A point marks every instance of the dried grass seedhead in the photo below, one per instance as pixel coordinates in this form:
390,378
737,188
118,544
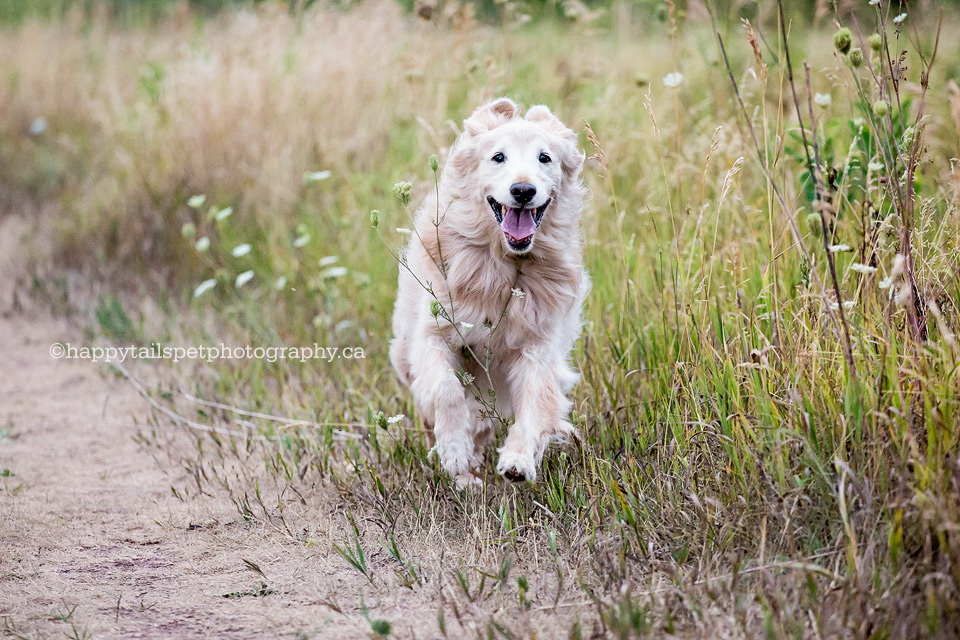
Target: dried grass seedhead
598,153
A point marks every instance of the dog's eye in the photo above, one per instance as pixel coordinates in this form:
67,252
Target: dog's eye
498,158
544,158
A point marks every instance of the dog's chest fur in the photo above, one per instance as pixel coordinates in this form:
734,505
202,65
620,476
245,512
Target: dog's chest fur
520,298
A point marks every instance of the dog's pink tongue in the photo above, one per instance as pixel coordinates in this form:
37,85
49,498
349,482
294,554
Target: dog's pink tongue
518,223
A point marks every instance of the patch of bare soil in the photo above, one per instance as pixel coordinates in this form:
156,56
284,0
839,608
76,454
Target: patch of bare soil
93,542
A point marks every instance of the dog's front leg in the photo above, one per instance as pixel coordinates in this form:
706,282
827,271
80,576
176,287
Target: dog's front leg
441,398
540,411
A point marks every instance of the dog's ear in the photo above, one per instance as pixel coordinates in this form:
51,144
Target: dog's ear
490,116
542,115
572,157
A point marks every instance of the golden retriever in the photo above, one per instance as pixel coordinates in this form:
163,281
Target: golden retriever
490,292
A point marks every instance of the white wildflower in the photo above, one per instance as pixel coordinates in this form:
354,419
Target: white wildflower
840,248
862,268
202,244
823,99
316,176
673,79
886,283
327,261
301,240
38,126
333,272
240,250
517,293
197,201
204,286
875,166
280,283
900,18
466,325
404,230
395,419
243,278
223,214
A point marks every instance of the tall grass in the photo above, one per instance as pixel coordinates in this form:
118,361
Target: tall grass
736,471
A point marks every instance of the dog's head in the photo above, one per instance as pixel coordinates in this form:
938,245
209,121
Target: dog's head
517,167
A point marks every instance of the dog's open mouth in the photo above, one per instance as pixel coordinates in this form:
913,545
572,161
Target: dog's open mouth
518,224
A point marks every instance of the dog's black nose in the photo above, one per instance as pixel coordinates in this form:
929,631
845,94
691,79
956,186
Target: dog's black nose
523,192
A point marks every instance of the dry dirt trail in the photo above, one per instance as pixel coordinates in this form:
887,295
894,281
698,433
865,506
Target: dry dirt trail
93,544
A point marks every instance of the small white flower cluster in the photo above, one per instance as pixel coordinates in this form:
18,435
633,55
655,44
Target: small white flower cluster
673,79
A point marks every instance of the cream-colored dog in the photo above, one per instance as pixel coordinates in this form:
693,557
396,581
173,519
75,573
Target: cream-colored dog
491,288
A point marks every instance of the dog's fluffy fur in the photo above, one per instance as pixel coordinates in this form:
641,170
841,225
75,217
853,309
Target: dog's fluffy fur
477,269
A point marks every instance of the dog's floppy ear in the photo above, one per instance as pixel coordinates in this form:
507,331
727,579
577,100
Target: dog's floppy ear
490,116
542,115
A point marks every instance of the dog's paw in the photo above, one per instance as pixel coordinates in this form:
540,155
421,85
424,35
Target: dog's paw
456,455
517,467
468,481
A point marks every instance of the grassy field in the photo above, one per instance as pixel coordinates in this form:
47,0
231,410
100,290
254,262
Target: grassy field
768,412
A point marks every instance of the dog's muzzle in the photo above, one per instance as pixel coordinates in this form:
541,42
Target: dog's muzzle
518,223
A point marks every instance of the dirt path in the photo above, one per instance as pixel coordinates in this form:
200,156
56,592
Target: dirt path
93,543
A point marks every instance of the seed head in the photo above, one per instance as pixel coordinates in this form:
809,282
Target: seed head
908,136
403,191
380,420
375,218
188,230
855,57
814,224
842,40
434,163
435,308
875,41
880,108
